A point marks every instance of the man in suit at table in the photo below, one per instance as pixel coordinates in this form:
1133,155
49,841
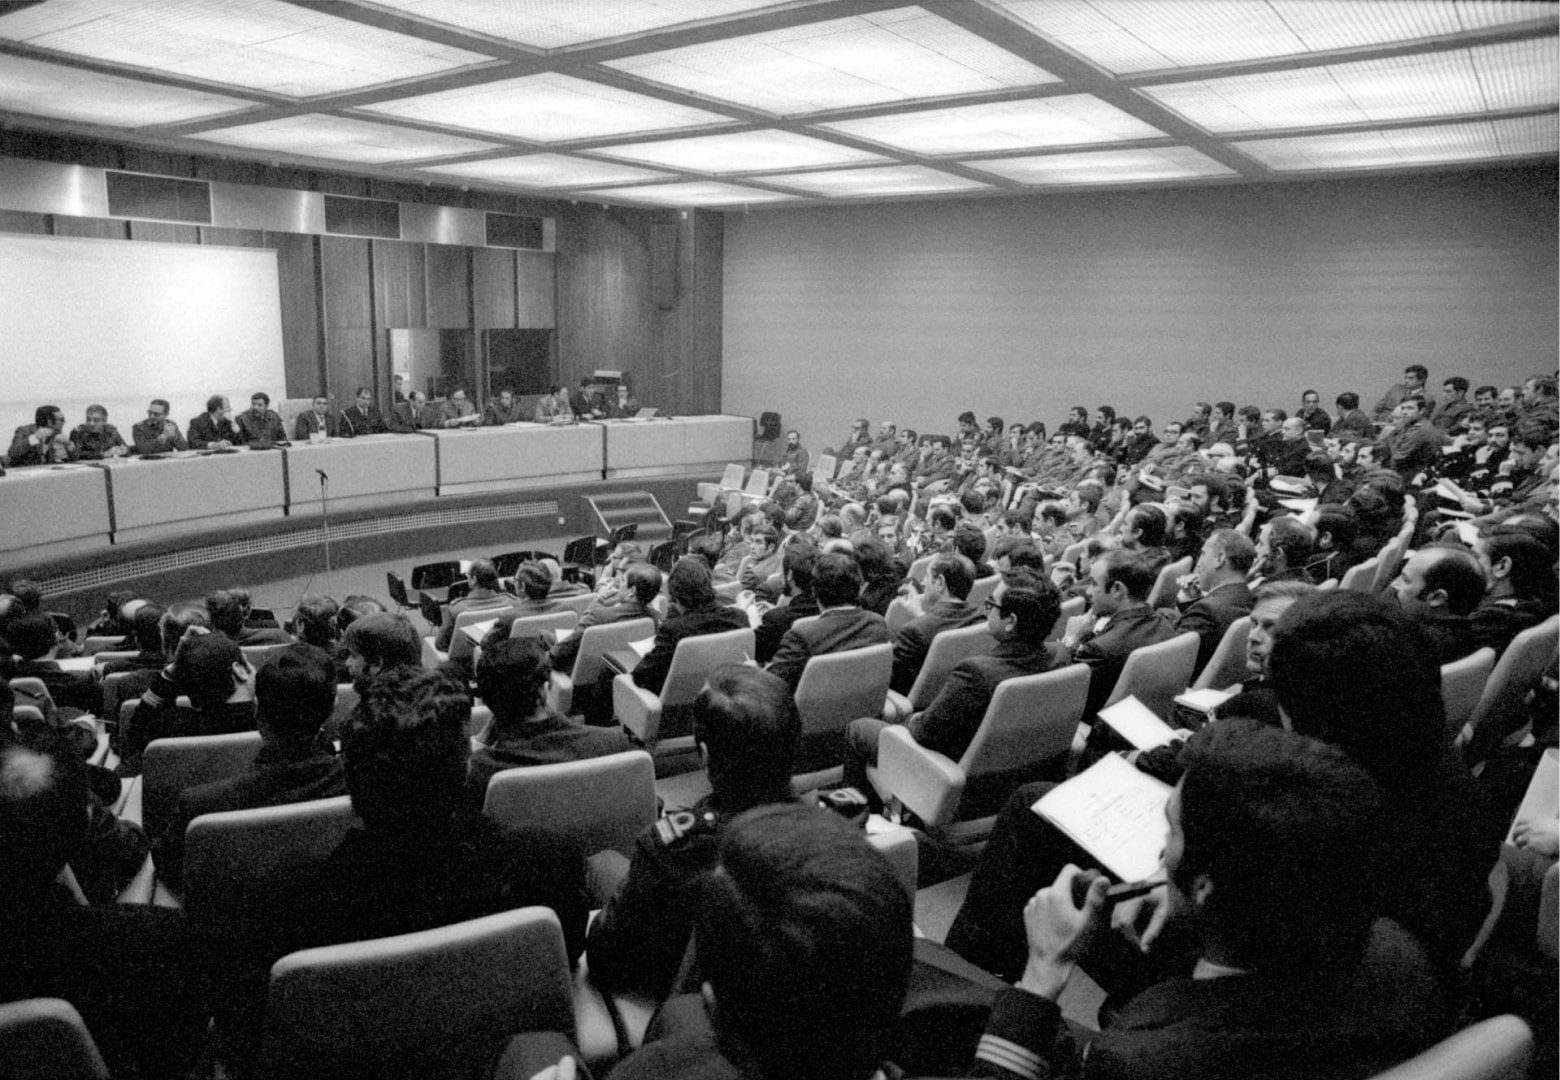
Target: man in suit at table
840,625
212,430
413,414
261,426
157,434
459,411
506,410
316,418
363,417
554,408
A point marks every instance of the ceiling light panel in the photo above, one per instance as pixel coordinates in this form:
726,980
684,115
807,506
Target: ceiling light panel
1132,36
344,139
1073,120
1519,74
27,86
547,171
1106,167
702,193
1484,140
890,180
900,55
570,22
266,45
549,108
741,151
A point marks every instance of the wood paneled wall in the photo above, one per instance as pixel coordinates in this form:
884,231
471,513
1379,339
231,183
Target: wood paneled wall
339,295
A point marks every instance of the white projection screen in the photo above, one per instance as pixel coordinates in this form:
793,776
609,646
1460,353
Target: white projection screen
117,323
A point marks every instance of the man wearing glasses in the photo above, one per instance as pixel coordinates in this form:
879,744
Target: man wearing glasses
157,434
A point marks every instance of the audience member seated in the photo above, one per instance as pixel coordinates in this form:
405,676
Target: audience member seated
1284,549
1121,621
1019,615
746,726
949,579
146,625
314,622
513,680
1521,590
1215,594
839,626
798,563
294,691
228,609
35,642
1438,588
487,596
210,669
881,575
633,599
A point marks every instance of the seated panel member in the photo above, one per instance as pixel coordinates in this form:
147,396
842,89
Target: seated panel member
316,418
363,417
413,414
212,430
97,438
506,410
459,412
623,403
43,441
261,426
157,434
554,407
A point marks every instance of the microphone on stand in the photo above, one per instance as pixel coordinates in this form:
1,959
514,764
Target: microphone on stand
321,474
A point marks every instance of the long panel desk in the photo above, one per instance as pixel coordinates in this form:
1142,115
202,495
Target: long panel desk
494,458
180,494
360,472
58,510
659,446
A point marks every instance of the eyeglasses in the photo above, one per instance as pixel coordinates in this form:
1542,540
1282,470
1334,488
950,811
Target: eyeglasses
993,604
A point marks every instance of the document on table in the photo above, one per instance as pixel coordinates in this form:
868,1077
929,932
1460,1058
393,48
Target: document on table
1115,813
1136,723
643,646
478,630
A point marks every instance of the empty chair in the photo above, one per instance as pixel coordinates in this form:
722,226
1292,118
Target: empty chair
1155,674
45,1039
603,802
507,563
1227,665
1029,723
538,625
436,575
641,712
1389,562
947,650
170,766
1500,709
397,590
1163,592
581,551
1361,578
437,1003
1462,684
835,689
1495,1049
595,643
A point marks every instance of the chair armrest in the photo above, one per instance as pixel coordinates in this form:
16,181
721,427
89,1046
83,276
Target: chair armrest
636,709
926,782
431,656
563,689
708,493
896,708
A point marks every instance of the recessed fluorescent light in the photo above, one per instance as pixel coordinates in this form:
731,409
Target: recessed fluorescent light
1071,120
698,193
555,25
1483,140
547,171
899,55
28,86
1106,166
741,151
344,139
889,180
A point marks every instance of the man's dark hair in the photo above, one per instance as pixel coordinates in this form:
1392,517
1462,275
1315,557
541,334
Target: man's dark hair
314,621
688,586
1276,820
644,581
1338,523
146,625
43,415
1019,551
1294,538
1152,524
214,402
511,677
1132,570
1226,407
973,501
800,902
969,541
44,795
747,721
967,417
179,618
1034,601
1533,434
707,548
1458,573
1108,412
1457,383
1090,496
1388,714
31,636
836,580
942,518
1419,371
484,575
534,580
385,640
1532,567
957,572
1218,489
1492,391
29,596
766,533
1239,551
203,669
405,747
295,691
226,611
799,561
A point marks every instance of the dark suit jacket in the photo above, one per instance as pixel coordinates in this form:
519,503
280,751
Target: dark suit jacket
1211,615
1106,652
274,779
407,417
149,438
837,630
776,621
914,639
309,422
567,651
951,720
355,421
203,431
547,740
650,673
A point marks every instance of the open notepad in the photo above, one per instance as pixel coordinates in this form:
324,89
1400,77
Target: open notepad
478,630
1113,812
1137,723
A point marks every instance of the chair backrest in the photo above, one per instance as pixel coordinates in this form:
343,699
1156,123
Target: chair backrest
1163,592
900,611
919,568
1072,607
731,477
602,802
662,556
440,1002
981,591
1390,560
108,656
432,610
1031,719
1516,672
534,625
597,641
827,465
257,654
581,551
757,483
835,689
510,561
461,645
1330,585
96,643
435,575
697,656
1462,684
1155,674
397,590
45,1039
1227,665
169,766
947,650
1495,1049
1360,578
237,863
31,690
577,604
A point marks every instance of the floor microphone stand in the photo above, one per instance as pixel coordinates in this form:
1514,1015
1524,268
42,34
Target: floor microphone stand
325,525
